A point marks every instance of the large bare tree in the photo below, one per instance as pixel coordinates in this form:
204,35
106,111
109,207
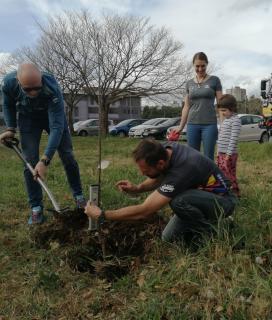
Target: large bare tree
7,64
117,56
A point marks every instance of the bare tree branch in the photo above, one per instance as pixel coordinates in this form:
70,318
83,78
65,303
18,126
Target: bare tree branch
111,58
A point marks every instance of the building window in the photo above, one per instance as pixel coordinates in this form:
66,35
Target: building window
92,101
113,110
130,102
123,102
92,109
135,101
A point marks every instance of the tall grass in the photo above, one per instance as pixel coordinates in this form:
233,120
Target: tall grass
229,277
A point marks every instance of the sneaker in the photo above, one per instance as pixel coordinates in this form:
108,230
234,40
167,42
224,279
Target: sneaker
36,216
80,202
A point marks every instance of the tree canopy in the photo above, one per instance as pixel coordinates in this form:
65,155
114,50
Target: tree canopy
110,58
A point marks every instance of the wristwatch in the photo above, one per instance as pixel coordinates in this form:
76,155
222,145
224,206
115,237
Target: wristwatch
45,161
102,218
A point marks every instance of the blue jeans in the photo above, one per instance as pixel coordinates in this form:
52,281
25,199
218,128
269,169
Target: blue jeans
30,135
194,213
207,133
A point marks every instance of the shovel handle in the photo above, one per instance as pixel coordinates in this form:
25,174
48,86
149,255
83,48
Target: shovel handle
11,142
14,144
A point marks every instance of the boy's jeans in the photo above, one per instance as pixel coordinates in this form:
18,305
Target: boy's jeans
30,136
207,133
194,212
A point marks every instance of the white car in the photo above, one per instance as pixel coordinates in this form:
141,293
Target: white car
137,132
76,124
250,130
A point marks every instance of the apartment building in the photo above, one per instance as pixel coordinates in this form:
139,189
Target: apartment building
238,93
126,108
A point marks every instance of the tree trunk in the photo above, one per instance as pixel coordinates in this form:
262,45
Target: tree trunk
70,118
104,119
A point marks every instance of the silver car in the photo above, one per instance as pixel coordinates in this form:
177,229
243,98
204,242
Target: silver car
250,130
137,132
77,124
90,127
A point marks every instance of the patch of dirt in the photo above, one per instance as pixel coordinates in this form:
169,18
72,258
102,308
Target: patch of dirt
109,253
66,228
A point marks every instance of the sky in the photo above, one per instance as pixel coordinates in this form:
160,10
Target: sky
234,34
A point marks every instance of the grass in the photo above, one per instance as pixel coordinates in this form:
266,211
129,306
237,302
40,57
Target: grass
228,278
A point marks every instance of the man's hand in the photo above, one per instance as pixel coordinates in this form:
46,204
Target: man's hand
126,186
92,211
6,136
40,171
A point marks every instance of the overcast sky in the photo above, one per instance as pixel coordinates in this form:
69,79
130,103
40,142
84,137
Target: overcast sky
235,34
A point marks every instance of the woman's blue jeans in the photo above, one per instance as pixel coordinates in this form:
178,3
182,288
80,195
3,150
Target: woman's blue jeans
30,135
195,211
207,133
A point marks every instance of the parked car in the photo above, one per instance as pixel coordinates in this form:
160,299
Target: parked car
77,124
250,129
137,132
90,127
159,131
122,128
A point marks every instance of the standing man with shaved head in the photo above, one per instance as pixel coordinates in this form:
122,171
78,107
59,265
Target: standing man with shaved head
33,101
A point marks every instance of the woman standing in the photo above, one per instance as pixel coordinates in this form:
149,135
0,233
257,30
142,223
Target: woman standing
199,110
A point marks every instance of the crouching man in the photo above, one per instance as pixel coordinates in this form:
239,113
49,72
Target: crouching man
193,186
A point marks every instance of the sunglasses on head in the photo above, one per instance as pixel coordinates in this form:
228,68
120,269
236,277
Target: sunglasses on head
29,89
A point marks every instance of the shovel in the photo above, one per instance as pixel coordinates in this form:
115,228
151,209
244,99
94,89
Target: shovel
14,144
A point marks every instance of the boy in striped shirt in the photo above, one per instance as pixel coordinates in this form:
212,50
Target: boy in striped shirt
228,139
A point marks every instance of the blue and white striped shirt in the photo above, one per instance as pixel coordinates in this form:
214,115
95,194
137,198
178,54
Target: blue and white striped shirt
228,135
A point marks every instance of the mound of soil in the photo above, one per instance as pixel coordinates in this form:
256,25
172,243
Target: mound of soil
66,228
109,252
